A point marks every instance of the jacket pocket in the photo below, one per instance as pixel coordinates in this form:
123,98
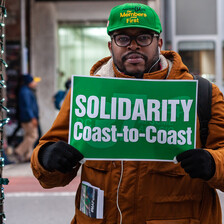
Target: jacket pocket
96,173
81,218
172,183
179,221
166,168
103,166
172,193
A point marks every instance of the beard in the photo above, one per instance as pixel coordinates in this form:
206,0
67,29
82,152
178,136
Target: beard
121,68
138,74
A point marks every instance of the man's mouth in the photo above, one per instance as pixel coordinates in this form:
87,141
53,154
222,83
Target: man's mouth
134,58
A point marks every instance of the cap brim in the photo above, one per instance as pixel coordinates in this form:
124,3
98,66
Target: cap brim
135,26
37,79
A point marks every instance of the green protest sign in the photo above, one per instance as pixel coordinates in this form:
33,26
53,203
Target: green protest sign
132,119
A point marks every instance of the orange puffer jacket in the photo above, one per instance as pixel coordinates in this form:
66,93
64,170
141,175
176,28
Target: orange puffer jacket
149,192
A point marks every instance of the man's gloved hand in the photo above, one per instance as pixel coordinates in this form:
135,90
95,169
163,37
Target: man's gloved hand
198,163
59,156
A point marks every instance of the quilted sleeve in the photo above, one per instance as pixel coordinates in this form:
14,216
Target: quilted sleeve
215,140
58,131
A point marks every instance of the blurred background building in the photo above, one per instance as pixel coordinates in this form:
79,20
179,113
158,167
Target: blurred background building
58,38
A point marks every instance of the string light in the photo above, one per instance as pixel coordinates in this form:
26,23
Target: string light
3,109
4,122
2,194
2,161
2,47
2,36
4,181
2,106
4,11
2,84
4,63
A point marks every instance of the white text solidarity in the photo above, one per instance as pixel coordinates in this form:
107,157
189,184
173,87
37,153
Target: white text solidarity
150,110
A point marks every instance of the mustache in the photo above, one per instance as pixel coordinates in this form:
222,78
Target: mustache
124,57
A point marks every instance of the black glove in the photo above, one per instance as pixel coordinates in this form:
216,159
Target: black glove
59,156
198,163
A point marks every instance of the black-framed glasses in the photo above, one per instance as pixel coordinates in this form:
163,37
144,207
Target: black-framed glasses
143,40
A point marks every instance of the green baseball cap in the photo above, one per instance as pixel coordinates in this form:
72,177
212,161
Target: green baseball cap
133,15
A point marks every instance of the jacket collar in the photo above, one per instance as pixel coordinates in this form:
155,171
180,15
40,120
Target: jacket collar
171,67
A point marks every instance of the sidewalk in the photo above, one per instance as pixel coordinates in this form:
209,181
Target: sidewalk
27,202
17,170
21,179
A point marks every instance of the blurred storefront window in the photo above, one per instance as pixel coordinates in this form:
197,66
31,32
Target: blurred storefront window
199,57
79,48
196,17
223,60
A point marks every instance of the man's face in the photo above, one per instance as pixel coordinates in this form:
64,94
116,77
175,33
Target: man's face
33,85
134,60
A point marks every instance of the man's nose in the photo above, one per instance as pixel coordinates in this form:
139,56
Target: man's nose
133,45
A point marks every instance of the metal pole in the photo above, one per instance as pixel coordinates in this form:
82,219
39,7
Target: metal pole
23,37
173,26
218,48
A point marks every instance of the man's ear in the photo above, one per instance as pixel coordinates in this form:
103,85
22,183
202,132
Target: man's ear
110,47
160,43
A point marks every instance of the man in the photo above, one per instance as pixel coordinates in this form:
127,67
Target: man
140,192
61,94
28,115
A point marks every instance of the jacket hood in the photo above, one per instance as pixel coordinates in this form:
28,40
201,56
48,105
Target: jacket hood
178,69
